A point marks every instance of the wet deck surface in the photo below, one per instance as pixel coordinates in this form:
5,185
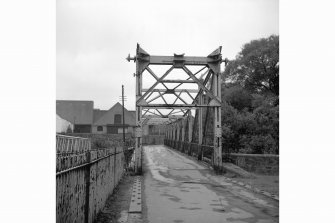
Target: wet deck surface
179,189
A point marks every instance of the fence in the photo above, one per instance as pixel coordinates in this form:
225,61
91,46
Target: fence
84,177
202,152
267,164
115,139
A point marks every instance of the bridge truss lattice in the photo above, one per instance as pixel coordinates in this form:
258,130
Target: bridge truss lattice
174,96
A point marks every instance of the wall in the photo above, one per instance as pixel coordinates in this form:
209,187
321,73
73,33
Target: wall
104,129
84,178
95,129
120,130
267,164
79,128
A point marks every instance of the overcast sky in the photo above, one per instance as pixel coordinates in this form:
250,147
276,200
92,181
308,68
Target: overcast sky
95,36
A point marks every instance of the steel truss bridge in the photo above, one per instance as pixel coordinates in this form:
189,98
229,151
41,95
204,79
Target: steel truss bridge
186,95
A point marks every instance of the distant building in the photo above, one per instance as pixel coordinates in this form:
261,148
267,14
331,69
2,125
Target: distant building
86,119
80,113
154,126
110,121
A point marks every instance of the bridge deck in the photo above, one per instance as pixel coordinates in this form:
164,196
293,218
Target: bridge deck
179,189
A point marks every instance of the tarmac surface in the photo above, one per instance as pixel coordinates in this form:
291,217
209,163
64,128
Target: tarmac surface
178,189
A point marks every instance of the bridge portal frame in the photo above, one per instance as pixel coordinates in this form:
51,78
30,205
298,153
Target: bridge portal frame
178,61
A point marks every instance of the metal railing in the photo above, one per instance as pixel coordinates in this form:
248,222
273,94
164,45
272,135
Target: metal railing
201,152
84,177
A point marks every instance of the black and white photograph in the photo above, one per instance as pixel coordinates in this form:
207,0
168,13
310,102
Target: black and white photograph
154,111
167,111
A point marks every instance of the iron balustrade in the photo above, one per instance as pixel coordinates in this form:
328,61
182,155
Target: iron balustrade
201,152
85,177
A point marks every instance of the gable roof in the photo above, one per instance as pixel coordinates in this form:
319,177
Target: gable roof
108,117
76,112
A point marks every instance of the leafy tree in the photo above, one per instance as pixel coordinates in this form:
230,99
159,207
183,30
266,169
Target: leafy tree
255,132
256,67
239,98
259,144
250,95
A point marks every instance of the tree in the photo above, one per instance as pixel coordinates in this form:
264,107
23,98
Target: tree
237,97
256,67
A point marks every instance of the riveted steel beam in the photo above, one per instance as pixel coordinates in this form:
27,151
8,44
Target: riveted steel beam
177,106
179,81
187,60
171,91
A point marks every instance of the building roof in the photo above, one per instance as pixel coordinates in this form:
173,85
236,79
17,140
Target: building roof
76,112
108,117
97,114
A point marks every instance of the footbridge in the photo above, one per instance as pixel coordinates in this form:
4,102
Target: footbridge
184,92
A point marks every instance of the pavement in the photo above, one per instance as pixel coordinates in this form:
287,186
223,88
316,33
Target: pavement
178,189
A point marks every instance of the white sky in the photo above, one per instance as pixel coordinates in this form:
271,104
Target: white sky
95,36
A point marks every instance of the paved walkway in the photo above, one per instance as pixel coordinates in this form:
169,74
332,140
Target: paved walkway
179,189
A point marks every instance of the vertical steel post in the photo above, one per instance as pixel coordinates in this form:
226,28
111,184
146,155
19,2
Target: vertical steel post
189,127
183,128
169,132
138,130
200,133
217,122
200,118
178,133
189,133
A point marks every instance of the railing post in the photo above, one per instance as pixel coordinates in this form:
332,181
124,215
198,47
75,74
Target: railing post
115,167
88,181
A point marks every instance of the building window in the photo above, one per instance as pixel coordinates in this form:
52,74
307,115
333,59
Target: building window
99,128
117,119
112,130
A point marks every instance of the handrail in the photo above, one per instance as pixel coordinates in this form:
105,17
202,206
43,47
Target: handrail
85,164
66,136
